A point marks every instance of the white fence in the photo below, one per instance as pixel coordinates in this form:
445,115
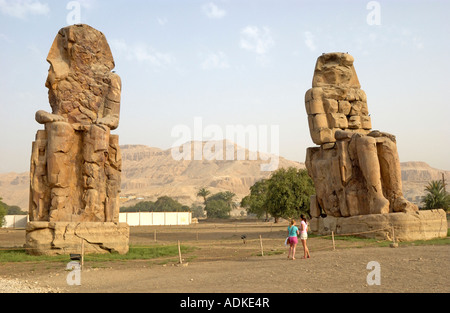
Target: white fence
15,221
156,218
133,219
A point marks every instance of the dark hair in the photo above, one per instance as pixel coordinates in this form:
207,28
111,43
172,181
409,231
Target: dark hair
303,217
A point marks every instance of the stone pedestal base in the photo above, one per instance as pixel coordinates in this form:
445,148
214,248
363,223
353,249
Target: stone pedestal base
420,225
55,238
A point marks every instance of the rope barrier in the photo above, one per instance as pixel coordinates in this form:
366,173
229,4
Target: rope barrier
251,245
353,234
229,241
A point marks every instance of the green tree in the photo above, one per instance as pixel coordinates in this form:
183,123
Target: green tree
288,193
197,211
15,210
255,202
436,197
162,204
219,205
203,192
12,209
228,197
167,204
143,206
3,212
217,209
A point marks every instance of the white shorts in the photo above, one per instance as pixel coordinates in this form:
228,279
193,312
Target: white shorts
303,236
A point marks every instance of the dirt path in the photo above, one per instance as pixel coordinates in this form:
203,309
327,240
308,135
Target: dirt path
421,269
222,263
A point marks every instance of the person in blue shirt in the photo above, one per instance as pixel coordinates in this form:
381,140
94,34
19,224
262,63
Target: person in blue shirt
293,232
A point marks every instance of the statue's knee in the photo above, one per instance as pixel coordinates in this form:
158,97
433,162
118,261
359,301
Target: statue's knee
60,136
60,128
366,142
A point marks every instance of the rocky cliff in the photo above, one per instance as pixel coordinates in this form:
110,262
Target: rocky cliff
149,173
416,175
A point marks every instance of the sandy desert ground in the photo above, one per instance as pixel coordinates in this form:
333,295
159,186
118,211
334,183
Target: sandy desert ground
222,263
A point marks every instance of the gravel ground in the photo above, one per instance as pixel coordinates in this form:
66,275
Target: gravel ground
23,286
223,263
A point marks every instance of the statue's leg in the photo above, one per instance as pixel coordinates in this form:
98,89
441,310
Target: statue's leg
391,176
370,168
39,202
61,172
95,154
113,170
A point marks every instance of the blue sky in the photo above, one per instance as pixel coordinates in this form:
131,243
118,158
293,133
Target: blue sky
237,62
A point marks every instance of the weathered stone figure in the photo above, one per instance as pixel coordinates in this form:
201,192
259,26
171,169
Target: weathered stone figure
76,162
356,171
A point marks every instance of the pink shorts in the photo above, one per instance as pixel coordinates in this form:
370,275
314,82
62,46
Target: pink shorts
293,240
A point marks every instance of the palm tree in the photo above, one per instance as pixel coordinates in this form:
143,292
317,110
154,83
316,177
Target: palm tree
436,197
228,197
203,192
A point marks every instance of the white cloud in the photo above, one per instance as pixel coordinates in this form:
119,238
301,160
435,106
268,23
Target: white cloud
213,11
162,21
309,41
215,61
22,8
141,52
5,38
418,43
256,40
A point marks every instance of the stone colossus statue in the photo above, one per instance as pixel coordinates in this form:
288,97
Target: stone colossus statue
76,162
356,170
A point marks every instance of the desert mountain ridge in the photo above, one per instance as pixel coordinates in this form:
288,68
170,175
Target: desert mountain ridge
148,173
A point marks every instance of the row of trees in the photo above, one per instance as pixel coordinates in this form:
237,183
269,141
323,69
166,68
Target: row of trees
162,204
9,210
284,195
287,192
3,212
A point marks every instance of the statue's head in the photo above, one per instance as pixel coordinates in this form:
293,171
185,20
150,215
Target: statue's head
80,48
80,61
336,101
335,69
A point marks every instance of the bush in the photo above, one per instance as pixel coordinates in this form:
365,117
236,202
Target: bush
163,204
3,212
217,209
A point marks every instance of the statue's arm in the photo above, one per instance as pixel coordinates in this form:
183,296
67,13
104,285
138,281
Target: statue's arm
111,113
43,117
377,133
343,134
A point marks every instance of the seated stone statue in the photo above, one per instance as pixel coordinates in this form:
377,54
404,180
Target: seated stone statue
76,162
356,171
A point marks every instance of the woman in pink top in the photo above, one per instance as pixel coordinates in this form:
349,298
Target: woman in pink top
304,236
292,233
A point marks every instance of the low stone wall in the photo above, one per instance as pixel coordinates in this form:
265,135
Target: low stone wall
420,225
54,238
